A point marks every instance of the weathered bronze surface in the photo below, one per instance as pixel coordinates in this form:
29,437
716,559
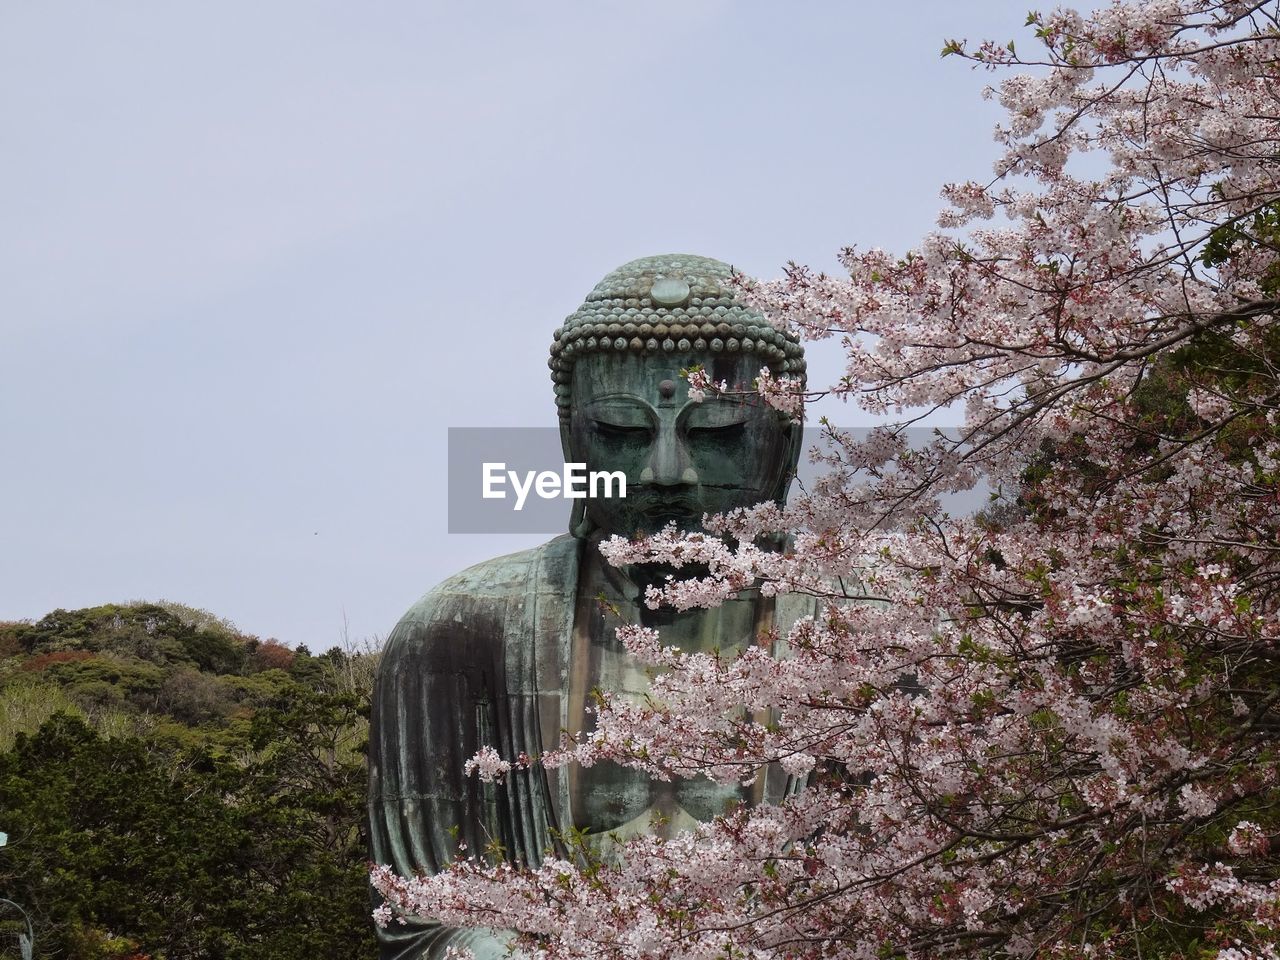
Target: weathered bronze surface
506,653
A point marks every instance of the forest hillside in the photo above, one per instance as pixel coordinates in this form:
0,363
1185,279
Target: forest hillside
173,788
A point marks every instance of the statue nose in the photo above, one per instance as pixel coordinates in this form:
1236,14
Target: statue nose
669,462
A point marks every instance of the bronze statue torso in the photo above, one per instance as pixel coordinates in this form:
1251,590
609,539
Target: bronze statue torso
488,658
607,798
507,653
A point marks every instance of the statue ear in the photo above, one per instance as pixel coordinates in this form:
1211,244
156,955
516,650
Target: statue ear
791,458
580,524
566,440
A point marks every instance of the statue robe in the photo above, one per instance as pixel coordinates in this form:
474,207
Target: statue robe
482,660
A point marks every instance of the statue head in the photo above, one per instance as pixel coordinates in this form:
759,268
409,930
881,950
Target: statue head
618,364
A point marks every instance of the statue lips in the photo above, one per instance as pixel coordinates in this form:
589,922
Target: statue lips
654,509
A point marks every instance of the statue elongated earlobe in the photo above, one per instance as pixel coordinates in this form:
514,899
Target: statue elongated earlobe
791,459
580,523
566,440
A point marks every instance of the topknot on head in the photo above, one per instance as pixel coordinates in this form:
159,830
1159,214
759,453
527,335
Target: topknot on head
673,303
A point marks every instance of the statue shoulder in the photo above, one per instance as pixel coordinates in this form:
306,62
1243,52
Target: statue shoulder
479,598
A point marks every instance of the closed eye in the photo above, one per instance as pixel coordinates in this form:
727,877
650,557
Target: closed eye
723,431
619,431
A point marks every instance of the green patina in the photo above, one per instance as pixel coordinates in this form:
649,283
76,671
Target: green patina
509,652
674,303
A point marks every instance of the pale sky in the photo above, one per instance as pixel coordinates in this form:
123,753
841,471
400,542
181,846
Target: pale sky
256,258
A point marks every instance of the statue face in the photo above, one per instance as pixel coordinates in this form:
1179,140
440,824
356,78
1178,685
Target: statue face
681,458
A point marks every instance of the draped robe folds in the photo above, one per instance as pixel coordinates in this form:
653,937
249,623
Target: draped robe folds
481,660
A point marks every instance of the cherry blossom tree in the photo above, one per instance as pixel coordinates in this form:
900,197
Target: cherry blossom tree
1049,729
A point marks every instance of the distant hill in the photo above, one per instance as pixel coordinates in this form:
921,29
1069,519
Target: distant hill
176,788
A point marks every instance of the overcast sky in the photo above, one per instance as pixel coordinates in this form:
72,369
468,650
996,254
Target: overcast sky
256,258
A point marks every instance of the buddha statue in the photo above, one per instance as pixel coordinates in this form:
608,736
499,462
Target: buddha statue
506,653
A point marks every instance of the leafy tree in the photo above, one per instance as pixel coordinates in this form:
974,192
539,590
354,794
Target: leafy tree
189,853
26,704
105,841
146,631
270,655
305,793
169,797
